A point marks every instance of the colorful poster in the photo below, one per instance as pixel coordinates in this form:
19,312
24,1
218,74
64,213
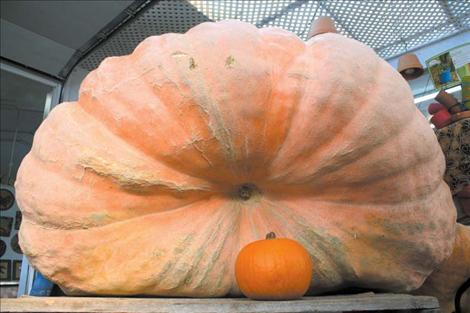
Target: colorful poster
461,58
448,68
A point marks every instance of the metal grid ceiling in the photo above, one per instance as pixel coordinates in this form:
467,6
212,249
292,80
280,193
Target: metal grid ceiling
167,16
391,27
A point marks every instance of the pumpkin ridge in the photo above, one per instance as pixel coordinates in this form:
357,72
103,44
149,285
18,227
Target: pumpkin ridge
373,202
379,236
135,182
127,140
331,272
221,208
211,111
272,209
228,232
130,141
276,79
47,164
93,92
198,257
323,193
80,221
182,125
186,281
202,82
330,141
79,226
369,204
138,149
182,76
292,112
135,149
220,132
136,66
324,170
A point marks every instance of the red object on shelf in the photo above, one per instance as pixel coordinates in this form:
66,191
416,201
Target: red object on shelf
441,119
435,107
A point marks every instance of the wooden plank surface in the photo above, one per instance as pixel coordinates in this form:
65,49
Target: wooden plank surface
340,303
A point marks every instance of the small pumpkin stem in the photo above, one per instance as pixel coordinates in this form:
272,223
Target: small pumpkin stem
271,235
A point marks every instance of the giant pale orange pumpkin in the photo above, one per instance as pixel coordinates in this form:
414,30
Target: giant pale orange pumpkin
176,156
451,274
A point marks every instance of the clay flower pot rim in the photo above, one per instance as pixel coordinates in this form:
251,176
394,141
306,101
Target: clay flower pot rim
321,25
409,66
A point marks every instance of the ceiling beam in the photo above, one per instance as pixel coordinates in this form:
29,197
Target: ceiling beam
450,17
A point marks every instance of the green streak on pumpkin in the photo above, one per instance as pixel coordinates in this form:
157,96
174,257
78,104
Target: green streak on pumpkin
183,244
398,229
322,247
99,217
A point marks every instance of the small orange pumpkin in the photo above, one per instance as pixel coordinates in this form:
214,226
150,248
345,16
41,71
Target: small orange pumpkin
273,269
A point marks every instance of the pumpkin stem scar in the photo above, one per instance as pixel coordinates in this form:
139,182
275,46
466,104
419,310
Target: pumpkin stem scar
246,191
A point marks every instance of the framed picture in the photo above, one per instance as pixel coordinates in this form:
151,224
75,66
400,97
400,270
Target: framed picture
3,248
16,270
5,272
5,226
448,68
18,219
15,246
7,198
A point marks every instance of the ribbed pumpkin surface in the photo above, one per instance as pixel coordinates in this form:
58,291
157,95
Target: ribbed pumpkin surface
135,188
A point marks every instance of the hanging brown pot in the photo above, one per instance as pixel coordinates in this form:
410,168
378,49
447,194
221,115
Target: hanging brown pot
322,25
409,66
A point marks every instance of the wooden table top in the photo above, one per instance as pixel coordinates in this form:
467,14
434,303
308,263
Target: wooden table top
340,303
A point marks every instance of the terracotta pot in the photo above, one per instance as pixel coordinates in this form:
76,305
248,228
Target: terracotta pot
448,101
460,116
322,25
409,66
